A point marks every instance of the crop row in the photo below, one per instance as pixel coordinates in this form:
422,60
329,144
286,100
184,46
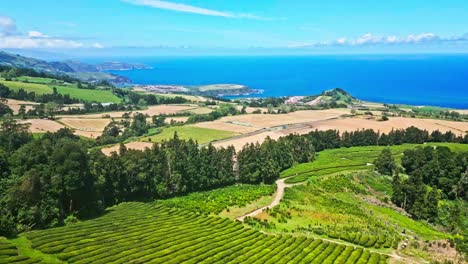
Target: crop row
9,254
145,233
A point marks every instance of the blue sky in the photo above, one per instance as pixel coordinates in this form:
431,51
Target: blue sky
244,26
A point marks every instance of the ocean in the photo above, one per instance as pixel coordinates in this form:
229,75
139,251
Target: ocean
436,80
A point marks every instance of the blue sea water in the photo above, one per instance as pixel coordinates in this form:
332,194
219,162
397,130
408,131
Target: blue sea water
439,80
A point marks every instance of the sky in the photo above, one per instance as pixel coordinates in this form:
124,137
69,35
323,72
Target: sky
237,26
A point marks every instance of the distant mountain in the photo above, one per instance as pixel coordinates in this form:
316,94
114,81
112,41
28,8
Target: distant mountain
82,71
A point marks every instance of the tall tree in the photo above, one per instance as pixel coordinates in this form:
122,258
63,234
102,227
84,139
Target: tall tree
385,163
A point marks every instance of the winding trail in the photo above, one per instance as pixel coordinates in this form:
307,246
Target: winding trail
280,186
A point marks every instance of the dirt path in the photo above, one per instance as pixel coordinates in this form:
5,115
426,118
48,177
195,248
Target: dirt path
280,186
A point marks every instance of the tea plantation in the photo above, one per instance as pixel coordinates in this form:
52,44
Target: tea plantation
153,233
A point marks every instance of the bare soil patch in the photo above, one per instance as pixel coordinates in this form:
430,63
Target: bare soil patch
42,125
132,145
250,123
351,124
238,143
151,111
16,104
86,124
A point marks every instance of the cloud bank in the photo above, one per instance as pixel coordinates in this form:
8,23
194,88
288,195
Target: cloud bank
370,39
11,38
192,9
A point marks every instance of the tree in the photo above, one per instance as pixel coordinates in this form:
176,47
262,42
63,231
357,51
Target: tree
158,121
4,108
51,108
13,135
432,204
398,196
22,111
71,176
385,163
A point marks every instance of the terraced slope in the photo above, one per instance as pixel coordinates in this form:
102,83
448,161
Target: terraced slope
152,233
9,254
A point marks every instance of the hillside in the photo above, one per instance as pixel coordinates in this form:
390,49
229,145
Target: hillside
217,90
82,71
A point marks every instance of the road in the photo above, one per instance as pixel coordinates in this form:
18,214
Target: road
280,186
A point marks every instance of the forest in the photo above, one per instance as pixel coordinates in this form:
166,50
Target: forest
47,181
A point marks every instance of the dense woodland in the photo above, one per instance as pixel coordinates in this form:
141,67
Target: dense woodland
48,181
427,177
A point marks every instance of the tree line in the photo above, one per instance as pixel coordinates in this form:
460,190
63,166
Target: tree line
9,72
46,181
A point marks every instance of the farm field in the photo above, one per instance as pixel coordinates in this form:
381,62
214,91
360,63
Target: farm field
35,79
343,200
42,125
347,206
159,234
16,104
28,87
352,124
152,110
240,142
202,135
259,121
131,145
223,200
102,96
87,127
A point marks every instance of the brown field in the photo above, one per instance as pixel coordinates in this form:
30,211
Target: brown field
132,145
86,124
151,111
238,143
42,125
200,111
249,123
350,124
250,110
16,104
177,119
237,127
86,127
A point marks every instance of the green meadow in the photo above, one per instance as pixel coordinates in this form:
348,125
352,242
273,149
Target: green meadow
201,135
101,96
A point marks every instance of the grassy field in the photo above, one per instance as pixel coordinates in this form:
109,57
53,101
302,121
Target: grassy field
152,233
28,87
356,158
223,199
202,135
102,96
36,79
349,206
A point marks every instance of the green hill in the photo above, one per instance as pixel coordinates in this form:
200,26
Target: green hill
82,71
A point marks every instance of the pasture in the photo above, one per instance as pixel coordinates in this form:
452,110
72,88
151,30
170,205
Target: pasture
201,135
101,96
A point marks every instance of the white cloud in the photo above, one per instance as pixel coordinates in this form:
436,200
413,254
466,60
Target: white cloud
193,9
371,39
7,25
11,38
26,42
36,34
97,46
